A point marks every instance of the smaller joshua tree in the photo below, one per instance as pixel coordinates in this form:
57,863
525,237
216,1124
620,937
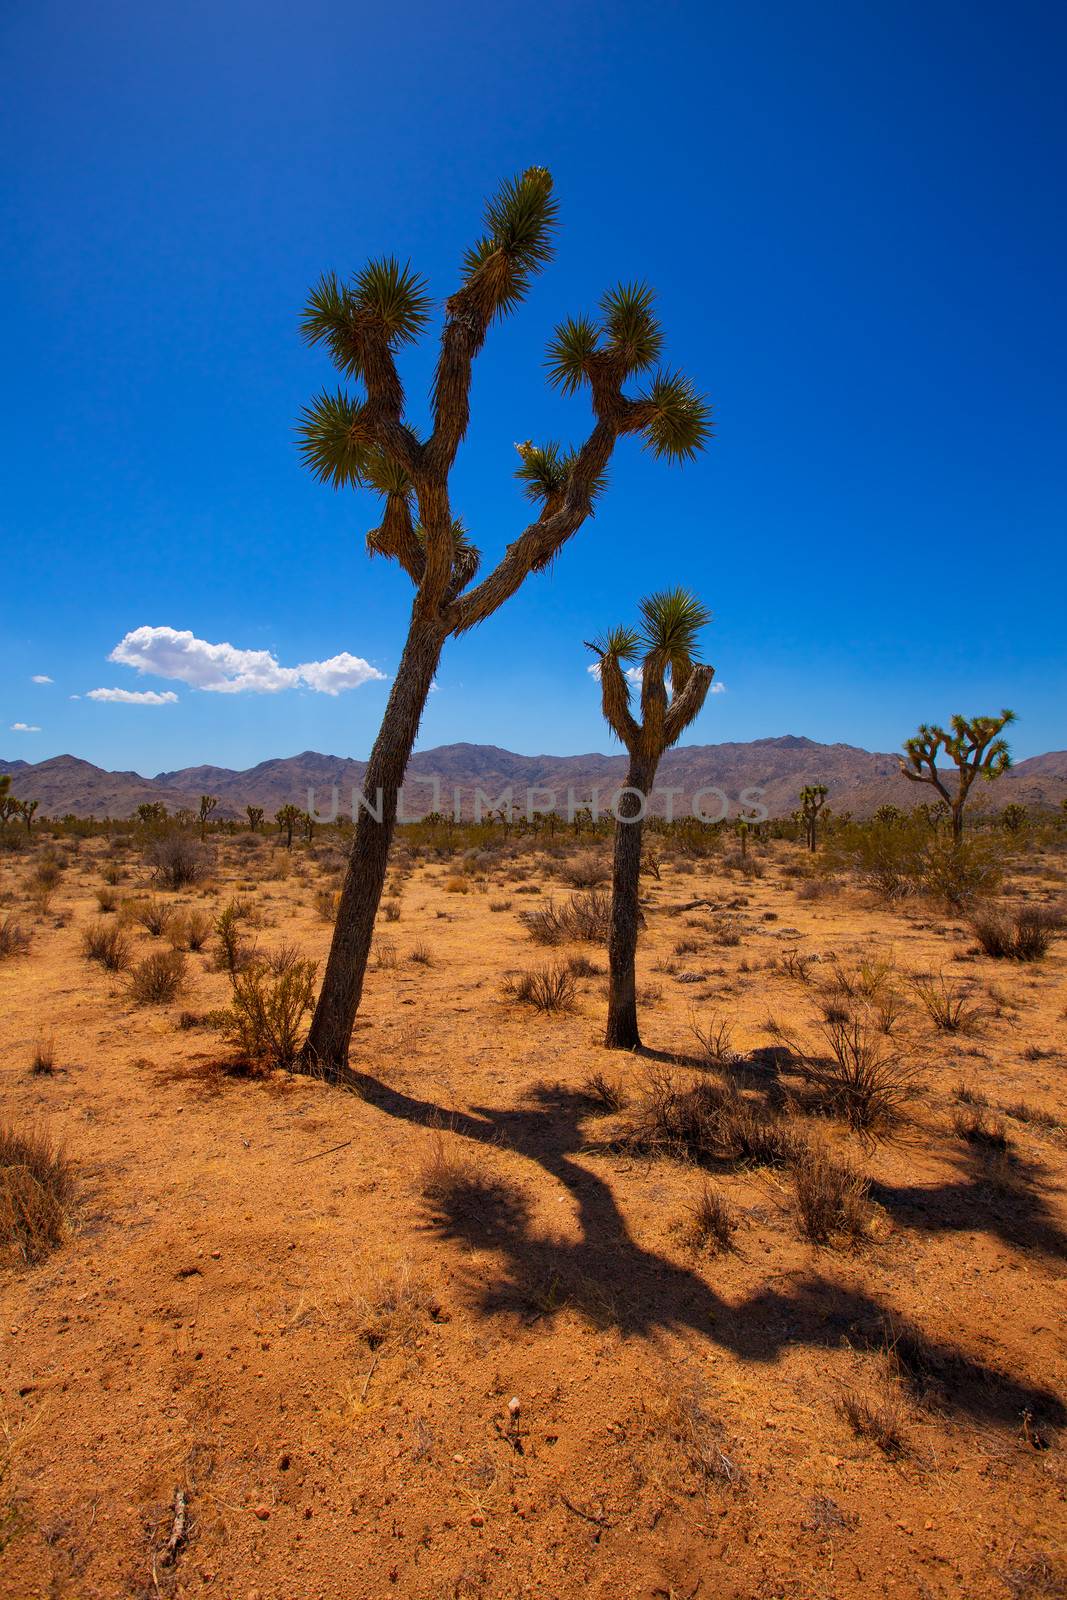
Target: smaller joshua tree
208,803
812,800
287,818
975,747
255,817
27,808
664,645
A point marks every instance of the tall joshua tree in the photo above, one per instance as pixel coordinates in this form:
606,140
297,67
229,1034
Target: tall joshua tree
664,644
363,441
974,746
208,803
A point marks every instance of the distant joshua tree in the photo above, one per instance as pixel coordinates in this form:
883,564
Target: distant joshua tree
976,748
812,800
9,806
255,817
664,645
287,818
208,803
26,812
364,442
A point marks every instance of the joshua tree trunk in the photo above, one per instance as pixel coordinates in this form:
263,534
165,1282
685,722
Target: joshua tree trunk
331,1028
622,1032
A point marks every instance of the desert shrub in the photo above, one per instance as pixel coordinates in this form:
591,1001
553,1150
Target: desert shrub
107,899
391,910
580,966
421,954
585,872
797,965
829,1196
36,1194
178,859
1023,935
948,1005
107,943
14,937
959,872
112,873
385,956
585,917
159,978
457,884
549,989
711,1221
500,905
703,1121
235,947
268,1009
152,914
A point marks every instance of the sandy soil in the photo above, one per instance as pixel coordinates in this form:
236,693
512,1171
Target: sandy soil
545,1390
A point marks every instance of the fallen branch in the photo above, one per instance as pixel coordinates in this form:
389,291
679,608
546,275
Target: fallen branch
320,1153
178,1529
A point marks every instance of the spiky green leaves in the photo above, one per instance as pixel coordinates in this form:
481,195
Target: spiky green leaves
632,334
544,471
621,643
671,621
336,448
520,223
384,300
571,351
332,443
681,418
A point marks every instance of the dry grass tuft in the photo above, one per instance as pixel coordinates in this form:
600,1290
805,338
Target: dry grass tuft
109,944
976,1125
396,1313
14,938
830,1196
36,1194
548,989
711,1222
879,1418
585,917
948,1005
158,979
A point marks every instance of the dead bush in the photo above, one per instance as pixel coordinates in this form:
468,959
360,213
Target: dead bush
585,917
585,872
391,910
396,1312
865,1079
36,1194
605,1093
1022,935
107,943
158,979
178,859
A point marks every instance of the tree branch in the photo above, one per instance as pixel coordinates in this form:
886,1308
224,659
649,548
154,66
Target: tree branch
686,707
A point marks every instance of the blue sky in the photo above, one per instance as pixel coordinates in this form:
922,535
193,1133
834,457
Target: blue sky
853,218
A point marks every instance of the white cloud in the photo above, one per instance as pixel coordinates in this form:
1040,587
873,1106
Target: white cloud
633,673
24,727
718,688
132,697
41,677
223,669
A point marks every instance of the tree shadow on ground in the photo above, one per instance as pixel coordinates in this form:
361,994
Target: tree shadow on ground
606,1276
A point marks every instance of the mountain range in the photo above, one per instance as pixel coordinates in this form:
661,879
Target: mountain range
857,780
